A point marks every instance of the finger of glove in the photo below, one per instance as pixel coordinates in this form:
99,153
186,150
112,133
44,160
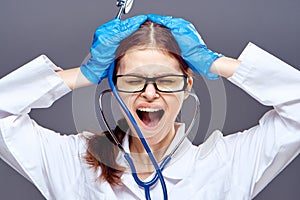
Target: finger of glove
109,36
127,27
160,19
124,28
103,32
133,23
180,28
113,32
187,32
168,21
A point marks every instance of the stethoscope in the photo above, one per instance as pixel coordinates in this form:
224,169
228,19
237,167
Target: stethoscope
125,6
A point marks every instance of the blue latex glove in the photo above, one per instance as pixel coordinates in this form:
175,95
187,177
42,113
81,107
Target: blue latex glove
106,41
193,48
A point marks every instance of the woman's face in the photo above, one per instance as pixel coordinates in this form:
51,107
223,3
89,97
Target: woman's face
155,112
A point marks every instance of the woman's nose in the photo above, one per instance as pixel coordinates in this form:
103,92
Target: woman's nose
150,92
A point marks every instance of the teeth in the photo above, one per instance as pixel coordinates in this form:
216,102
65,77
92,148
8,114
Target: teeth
149,109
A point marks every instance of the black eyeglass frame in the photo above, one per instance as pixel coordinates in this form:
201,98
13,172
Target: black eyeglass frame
152,80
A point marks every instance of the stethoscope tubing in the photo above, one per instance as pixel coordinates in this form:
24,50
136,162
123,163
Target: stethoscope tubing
142,139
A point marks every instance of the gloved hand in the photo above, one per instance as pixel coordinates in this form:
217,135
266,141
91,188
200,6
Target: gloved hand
193,48
106,41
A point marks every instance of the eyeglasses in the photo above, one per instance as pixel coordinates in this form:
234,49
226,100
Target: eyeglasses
166,83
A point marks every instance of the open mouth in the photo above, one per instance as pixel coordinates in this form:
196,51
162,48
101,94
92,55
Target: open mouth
150,116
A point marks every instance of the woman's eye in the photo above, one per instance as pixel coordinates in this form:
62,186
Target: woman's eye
165,81
134,82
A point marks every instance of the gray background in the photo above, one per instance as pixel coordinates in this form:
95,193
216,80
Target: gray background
63,30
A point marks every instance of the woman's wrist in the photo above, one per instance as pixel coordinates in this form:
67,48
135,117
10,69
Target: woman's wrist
73,78
225,66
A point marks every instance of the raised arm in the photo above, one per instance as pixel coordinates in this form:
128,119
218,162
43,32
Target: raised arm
261,152
23,143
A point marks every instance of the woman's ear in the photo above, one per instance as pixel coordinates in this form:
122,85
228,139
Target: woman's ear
189,86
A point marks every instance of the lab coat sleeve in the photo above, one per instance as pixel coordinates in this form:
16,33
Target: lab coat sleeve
43,156
257,155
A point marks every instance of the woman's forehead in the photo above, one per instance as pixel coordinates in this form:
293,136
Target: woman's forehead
148,62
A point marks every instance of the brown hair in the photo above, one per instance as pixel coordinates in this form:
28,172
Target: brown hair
102,151
152,35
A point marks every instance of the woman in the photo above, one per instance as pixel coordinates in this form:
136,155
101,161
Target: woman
73,167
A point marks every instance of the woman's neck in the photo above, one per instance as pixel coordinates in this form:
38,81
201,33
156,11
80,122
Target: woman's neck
156,147
140,157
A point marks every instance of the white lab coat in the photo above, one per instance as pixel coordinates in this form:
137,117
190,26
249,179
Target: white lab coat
234,167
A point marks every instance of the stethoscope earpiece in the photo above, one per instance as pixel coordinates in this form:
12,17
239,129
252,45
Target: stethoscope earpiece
125,7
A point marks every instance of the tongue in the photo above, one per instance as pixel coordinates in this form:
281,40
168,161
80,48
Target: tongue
150,118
